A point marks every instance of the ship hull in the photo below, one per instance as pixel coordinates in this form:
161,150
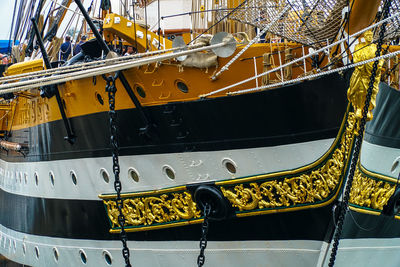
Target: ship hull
288,129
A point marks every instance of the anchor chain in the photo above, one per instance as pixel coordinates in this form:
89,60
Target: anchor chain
111,90
204,230
359,138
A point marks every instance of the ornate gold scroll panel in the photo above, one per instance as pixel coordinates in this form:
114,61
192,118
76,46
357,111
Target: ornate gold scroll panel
311,186
370,192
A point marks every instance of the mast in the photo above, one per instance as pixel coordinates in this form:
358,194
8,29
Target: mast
362,14
57,21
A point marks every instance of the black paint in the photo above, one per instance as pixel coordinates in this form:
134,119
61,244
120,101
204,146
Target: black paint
307,111
85,219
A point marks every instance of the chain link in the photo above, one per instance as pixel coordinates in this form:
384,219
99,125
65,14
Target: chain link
111,90
204,230
359,138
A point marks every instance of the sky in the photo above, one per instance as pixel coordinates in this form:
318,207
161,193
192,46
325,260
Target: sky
6,12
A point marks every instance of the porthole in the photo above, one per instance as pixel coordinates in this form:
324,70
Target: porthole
24,248
73,177
182,86
104,175
107,257
51,175
37,252
140,91
20,177
36,175
15,245
169,172
229,165
99,98
133,174
56,254
395,164
83,256
25,178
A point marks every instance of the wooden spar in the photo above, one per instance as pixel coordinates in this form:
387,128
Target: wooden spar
58,19
362,14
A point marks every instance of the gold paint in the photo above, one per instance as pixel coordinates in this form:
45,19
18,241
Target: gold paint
359,81
370,193
147,211
307,188
349,123
311,186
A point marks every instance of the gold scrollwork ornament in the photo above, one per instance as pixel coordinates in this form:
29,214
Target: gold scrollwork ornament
154,209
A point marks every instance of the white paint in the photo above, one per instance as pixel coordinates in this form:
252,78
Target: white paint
189,167
367,252
299,253
170,7
379,159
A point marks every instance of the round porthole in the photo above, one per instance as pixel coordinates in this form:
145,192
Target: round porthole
182,86
107,257
36,175
56,254
37,252
169,172
140,91
73,177
104,175
133,174
83,256
395,164
51,175
99,98
229,165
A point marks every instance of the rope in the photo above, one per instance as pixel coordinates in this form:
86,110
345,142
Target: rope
93,64
357,148
224,17
302,58
257,38
393,54
31,84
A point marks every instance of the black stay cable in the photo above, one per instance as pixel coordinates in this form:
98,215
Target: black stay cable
359,138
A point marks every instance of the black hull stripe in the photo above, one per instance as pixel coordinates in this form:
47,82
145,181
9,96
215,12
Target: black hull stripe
82,219
307,111
362,225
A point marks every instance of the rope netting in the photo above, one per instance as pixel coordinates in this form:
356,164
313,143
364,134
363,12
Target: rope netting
393,26
310,22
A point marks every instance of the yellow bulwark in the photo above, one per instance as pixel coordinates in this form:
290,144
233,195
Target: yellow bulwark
125,29
25,67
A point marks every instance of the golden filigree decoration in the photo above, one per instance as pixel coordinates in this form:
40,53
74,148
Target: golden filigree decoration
310,186
370,193
152,210
314,186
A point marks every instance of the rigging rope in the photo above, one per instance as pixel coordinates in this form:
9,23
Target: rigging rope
312,76
357,148
31,84
226,66
301,58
